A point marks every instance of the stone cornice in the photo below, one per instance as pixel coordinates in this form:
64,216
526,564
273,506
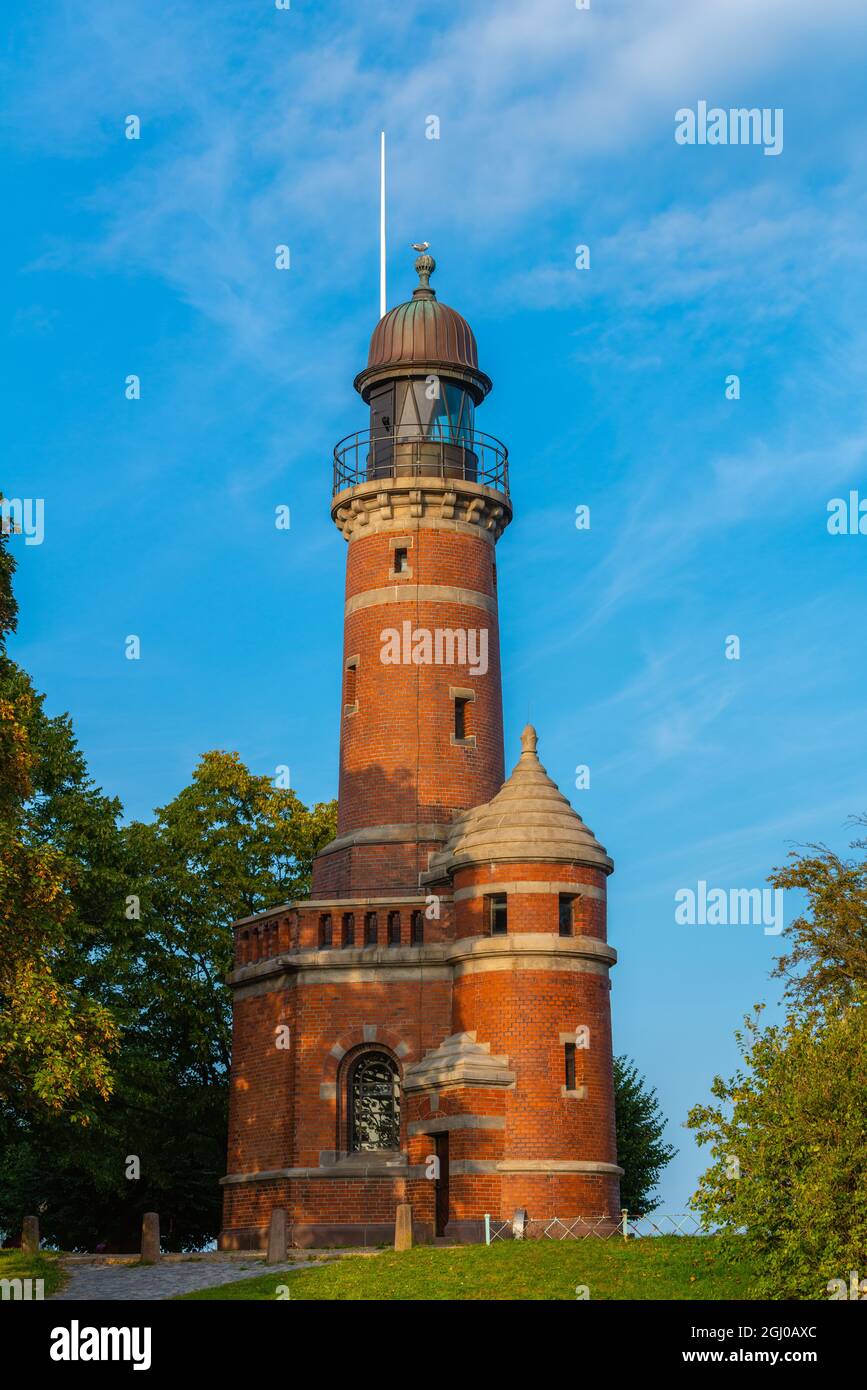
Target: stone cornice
387,503
433,960
410,833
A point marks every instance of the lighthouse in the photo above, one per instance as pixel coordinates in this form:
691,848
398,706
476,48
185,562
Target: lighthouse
432,1025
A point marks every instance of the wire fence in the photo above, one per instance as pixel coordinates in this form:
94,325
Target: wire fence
626,1227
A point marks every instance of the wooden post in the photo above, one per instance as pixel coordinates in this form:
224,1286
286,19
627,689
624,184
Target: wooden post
625,1224
403,1227
30,1235
277,1237
150,1238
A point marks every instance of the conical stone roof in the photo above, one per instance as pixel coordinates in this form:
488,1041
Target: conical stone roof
528,819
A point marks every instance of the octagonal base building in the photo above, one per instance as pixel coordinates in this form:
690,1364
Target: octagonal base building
432,1025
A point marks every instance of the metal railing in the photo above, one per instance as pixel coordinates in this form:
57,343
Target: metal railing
368,455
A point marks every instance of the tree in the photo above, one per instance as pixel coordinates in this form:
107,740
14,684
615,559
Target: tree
828,960
228,845
56,1041
640,1150
788,1132
788,1139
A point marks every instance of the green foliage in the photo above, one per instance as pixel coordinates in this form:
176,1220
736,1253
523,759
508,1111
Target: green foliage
56,1039
228,845
788,1134
788,1137
640,1150
828,959
14,1264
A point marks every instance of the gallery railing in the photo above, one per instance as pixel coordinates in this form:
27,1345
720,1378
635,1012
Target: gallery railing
370,455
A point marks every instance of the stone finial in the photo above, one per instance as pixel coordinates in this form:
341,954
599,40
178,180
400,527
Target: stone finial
529,739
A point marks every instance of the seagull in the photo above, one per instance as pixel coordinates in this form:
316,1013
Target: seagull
420,245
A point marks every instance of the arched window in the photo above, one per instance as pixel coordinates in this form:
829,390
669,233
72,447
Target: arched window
373,1095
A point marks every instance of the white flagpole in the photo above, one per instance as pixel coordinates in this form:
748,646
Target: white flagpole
382,225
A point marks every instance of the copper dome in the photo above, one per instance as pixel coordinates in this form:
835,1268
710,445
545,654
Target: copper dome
423,336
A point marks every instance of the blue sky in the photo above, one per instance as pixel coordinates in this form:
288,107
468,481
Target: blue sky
708,516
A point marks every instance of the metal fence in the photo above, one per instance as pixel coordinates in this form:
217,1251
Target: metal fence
523,1227
371,455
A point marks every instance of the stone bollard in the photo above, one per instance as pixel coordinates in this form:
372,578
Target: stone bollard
278,1240
150,1237
403,1227
30,1235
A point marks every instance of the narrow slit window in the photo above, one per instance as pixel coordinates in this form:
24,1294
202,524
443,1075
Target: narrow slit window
569,1059
348,929
394,929
325,930
370,929
350,696
460,716
400,559
498,914
417,928
566,902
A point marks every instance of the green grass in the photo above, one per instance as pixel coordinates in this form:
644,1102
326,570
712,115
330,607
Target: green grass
666,1267
45,1265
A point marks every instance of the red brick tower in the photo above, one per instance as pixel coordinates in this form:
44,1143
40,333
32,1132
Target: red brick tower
422,498
433,1024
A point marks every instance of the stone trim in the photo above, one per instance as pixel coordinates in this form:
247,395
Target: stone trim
580,1093
344,1169
377,1033
565,950
556,1165
446,1123
341,1170
415,501
409,832
420,593
335,903
436,960
581,890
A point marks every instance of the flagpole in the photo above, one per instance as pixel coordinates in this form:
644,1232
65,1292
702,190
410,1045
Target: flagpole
382,224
